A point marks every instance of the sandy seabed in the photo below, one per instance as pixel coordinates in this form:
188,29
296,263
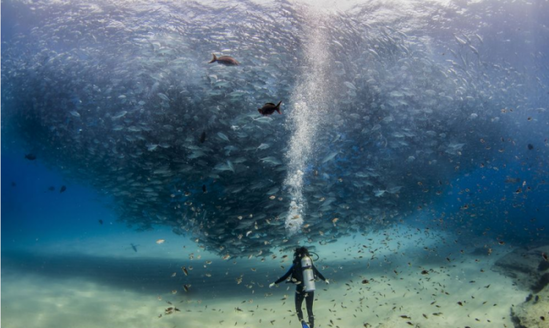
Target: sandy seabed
397,278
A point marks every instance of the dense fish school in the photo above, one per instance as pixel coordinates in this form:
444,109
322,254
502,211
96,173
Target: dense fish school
123,98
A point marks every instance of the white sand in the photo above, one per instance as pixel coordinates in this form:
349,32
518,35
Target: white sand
31,299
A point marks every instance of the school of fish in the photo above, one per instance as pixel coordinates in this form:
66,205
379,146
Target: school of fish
128,100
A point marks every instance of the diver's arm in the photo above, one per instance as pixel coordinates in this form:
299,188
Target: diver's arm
317,273
285,276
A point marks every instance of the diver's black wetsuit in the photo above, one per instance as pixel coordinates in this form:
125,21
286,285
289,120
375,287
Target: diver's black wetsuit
296,272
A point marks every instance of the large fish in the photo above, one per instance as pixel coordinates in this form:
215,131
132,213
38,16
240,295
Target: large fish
269,108
225,60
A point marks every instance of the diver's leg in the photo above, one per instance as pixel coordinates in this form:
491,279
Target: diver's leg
309,299
299,295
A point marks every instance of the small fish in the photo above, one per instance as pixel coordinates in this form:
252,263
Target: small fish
332,156
100,221
204,189
530,146
30,157
263,146
269,108
186,287
512,180
203,137
184,269
63,188
160,241
133,246
544,256
225,60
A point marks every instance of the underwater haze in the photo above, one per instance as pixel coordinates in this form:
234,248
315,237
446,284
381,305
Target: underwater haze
150,179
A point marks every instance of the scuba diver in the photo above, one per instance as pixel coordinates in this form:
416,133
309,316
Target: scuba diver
303,274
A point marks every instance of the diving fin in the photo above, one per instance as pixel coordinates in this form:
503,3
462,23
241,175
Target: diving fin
304,324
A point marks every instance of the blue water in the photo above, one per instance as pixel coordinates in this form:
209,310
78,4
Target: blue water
32,214
413,137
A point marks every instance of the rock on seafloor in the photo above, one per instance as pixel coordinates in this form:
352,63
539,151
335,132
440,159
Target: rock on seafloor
534,312
530,270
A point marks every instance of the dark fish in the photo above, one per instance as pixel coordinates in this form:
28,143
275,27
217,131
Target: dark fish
30,157
530,146
13,184
203,137
63,188
101,222
269,108
134,247
204,188
225,60
51,188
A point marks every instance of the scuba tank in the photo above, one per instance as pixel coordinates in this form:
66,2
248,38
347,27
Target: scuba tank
308,274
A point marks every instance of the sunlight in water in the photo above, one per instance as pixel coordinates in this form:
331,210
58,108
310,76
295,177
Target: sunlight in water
309,102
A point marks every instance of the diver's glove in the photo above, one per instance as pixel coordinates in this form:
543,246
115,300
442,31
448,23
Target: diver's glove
327,281
272,285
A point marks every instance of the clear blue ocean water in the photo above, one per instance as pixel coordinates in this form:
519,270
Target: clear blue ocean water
138,175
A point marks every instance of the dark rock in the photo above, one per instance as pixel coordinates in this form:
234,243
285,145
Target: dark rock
526,267
529,270
541,284
543,266
533,312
